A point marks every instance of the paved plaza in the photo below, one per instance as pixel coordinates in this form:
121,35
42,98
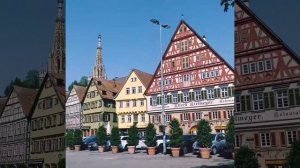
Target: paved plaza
93,159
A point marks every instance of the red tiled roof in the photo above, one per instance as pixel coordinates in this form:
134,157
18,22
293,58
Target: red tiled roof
80,91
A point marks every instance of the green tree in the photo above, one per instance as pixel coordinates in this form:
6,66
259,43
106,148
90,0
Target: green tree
77,137
115,139
31,79
293,159
8,88
101,136
62,163
204,134
83,81
227,4
245,158
150,135
69,138
176,133
230,133
133,136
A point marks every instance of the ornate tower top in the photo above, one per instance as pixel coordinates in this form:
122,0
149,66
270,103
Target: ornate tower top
99,71
57,57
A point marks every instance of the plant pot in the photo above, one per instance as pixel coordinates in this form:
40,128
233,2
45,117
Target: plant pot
114,149
68,148
131,149
205,153
77,147
100,149
151,150
175,152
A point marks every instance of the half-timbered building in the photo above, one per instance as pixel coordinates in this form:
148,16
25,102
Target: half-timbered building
73,107
15,127
267,81
99,107
197,83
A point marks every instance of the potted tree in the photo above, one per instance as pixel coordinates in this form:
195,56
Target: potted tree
101,138
204,138
176,133
133,138
77,139
293,159
150,138
115,139
229,136
245,157
69,139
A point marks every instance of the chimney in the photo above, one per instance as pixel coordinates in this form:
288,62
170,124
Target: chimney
204,38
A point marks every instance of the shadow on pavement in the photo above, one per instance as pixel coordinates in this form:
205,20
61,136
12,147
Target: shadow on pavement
218,166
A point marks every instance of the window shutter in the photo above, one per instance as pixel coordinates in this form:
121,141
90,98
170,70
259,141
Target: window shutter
248,101
170,117
193,115
256,140
181,117
224,115
273,139
169,98
219,114
291,97
189,116
272,100
209,115
266,100
215,93
218,92
229,91
243,103
282,139
204,95
297,96
108,118
192,96
150,101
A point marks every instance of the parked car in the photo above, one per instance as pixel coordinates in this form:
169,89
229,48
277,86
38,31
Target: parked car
159,143
186,147
94,146
123,146
87,141
218,144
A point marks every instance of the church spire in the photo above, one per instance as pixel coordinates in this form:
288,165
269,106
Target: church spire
99,71
57,57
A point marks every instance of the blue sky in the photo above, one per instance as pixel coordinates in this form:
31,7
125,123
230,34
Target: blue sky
130,40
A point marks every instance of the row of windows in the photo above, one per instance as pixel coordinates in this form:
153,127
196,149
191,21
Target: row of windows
47,145
12,150
133,90
13,129
11,113
214,115
268,100
133,102
197,95
99,117
259,66
73,109
47,122
135,118
93,94
269,139
47,103
98,104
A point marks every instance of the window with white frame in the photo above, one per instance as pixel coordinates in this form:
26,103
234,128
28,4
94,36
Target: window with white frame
127,103
127,90
153,101
258,101
265,139
245,68
184,45
230,113
133,90
135,117
214,115
185,62
268,65
198,95
143,118
260,66
186,96
168,117
106,117
120,104
186,77
210,93
123,118
185,116
140,89
198,116
282,98
129,118
134,103
157,118
141,103
224,92
291,137
175,97
252,67
203,75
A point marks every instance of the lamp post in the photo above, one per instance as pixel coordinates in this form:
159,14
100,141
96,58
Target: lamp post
165,26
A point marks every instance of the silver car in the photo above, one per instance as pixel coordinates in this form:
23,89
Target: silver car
218,144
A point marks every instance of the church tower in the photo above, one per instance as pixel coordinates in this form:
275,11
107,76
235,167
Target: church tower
99,71
57,58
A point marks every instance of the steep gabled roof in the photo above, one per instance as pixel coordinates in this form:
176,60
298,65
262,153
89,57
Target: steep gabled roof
2,104
270,33
80,91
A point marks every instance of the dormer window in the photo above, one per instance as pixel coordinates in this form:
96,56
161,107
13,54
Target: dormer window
103,92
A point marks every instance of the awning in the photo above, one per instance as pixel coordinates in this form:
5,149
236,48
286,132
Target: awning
275,162
218,127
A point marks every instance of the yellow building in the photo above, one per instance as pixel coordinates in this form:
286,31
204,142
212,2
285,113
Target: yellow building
99,108
131,102
48,124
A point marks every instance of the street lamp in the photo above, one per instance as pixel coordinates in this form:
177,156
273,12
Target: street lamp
165,26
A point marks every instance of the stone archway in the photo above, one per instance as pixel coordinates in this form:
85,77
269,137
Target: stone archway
193,130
